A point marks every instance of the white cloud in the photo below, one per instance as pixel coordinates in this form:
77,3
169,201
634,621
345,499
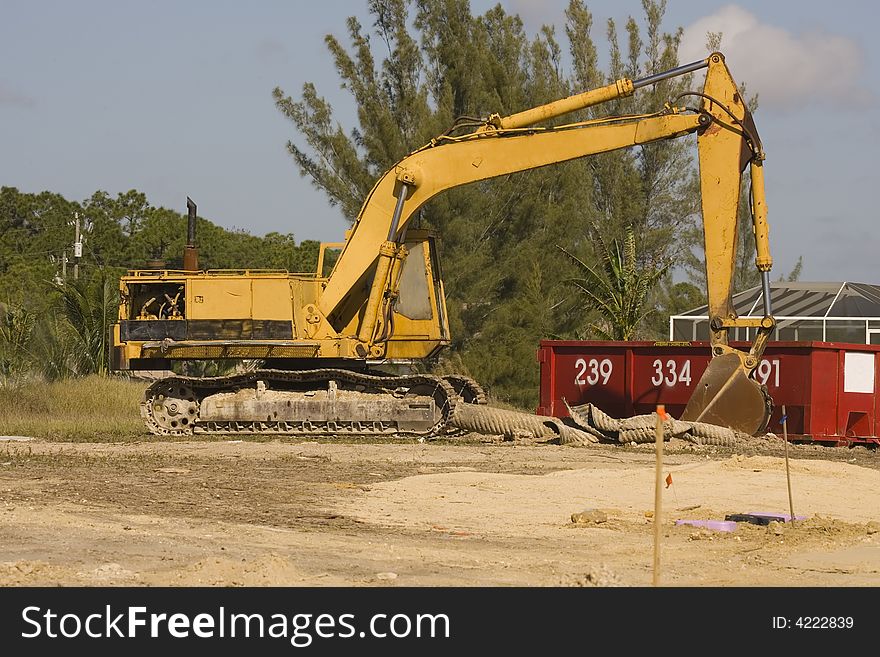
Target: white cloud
785,69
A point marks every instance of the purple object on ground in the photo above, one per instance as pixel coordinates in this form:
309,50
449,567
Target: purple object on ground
717,525
778,517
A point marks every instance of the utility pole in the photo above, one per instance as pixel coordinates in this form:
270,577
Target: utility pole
64,267
77,248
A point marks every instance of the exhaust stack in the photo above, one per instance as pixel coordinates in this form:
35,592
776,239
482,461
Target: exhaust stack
191,251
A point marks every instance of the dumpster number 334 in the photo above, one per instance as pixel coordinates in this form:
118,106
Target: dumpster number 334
597,372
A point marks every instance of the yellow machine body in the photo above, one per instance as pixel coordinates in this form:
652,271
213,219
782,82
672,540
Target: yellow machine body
260,314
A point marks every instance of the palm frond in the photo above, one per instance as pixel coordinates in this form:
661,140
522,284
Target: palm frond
618,290
88,309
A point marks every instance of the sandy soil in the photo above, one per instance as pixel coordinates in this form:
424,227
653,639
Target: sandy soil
472,512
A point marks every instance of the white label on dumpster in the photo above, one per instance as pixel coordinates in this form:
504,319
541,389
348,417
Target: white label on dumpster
858,372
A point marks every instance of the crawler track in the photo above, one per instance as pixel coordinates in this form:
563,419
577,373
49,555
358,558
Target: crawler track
172,406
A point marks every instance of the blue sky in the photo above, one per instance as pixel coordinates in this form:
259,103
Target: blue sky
173,98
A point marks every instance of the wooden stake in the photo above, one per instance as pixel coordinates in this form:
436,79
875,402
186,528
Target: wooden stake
658,491
787,472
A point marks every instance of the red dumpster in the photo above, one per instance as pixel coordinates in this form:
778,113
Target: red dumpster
829,389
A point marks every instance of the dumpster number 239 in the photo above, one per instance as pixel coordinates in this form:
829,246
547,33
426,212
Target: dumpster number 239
590,372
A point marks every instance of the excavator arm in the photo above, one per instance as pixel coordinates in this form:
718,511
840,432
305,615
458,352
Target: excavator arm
727,142
726,394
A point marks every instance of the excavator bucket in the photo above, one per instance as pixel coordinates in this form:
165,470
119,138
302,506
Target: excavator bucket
727,397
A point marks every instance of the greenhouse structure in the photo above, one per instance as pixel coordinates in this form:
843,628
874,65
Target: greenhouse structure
827,312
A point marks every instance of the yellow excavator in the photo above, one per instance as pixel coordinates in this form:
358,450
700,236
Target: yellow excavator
324,341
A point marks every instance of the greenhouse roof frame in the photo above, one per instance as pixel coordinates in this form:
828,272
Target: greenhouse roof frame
793,302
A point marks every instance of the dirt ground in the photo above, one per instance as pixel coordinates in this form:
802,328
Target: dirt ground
470,512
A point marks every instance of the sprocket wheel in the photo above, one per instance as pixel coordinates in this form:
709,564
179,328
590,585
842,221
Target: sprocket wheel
170,407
